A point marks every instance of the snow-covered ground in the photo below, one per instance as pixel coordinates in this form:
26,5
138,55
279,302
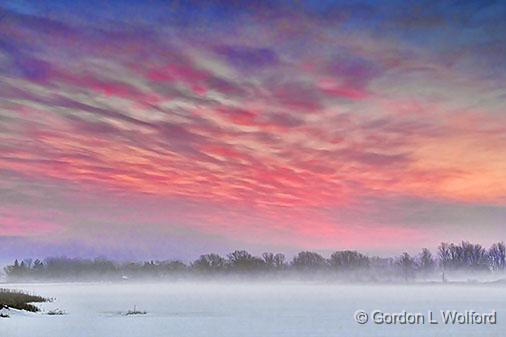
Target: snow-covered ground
247,310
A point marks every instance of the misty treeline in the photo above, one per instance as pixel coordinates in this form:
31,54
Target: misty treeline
450,259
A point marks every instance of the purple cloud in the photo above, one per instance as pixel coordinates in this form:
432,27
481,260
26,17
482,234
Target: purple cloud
247,58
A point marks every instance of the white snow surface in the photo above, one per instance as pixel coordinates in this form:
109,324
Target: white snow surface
247,310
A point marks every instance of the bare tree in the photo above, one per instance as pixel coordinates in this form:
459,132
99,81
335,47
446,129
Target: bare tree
268,260
242,261
279,261
273,261
407,265
308,261
497,256
475,256
444,255
426,263
348,260
209,263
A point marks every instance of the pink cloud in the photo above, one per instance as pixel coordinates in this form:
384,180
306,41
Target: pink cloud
26,222
287,148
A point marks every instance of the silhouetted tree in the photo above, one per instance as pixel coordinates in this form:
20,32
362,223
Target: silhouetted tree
172,267
475,256
38,266
426,263
242,261
464,256
279,261
348,260
13,271
497,256
273,261
268,260
209,263
309,261
407,265
444,255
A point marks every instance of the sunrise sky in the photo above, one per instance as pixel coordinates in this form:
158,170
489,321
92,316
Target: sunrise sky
137,129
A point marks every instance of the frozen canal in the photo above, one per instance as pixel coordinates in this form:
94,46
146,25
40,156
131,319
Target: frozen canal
249,310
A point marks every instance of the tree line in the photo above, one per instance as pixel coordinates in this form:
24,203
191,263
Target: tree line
347,264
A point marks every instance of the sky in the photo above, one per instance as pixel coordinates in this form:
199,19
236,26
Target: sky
168,129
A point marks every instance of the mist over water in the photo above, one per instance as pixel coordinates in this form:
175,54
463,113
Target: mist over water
249,309
459,291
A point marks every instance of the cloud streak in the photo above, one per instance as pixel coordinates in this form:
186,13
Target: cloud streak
249,128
